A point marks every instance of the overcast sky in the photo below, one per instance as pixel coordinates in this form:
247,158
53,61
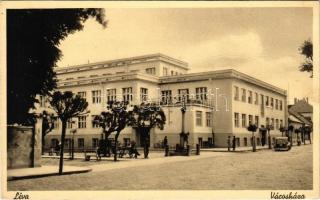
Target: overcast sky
262,42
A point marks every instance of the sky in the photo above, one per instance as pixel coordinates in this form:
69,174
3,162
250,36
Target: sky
261,42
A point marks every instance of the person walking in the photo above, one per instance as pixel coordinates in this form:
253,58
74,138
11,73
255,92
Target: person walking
234,143
165,141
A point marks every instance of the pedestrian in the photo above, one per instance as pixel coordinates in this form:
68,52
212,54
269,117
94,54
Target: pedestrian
57,149
133,149
146,147
234,143
98,153
165,141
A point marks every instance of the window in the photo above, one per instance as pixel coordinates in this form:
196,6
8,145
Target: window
151,70
262,99
280,105
95,142
267,101
166,96
199,118
82,122
67,143
271,102
201,93
165,71
250,97
277,105
96,96
281,123
69,124
208,119
245,141
272,123
111,95
256,121
143,94
258,142
236,93
82,94
42,101
172,73
127,94
277,123
238,142
183,94
243,98
244,120
55,122
250,119
267,121
256,101
80,142
94,125
236,119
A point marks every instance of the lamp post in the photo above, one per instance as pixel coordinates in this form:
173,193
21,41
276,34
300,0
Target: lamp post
183,135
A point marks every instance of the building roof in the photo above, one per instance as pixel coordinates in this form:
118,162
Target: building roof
122,62
208,75
220,74
297,116
301,106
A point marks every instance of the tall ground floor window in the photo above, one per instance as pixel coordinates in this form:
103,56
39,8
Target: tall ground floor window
245,142
80,142
95,142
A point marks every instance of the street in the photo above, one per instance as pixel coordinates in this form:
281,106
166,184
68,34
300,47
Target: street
262,170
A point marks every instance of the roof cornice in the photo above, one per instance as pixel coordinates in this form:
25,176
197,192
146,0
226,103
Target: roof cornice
122,62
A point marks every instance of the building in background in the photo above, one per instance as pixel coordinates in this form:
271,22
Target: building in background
219,103
300,115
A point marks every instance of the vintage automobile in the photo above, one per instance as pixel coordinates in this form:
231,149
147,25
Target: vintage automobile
282,144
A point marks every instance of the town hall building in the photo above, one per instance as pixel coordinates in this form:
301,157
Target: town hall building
218,103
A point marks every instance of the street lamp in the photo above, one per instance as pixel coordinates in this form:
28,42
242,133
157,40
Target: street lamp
72,131
183,135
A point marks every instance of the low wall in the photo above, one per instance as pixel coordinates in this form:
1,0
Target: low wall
20,151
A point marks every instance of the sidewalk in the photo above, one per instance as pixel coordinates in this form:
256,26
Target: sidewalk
14,174
238,149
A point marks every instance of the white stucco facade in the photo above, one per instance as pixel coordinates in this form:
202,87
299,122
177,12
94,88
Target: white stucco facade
211,106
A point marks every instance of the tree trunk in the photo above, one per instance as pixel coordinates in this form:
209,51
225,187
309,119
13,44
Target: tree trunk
116,146
146,132
42,144
63,135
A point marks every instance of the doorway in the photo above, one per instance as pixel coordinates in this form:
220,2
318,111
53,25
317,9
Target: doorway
142,135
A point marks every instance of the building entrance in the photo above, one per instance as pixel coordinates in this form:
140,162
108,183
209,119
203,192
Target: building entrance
263,137
142,136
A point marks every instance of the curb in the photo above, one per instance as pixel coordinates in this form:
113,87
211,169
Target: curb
11,178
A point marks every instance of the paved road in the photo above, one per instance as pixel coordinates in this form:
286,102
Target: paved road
212,170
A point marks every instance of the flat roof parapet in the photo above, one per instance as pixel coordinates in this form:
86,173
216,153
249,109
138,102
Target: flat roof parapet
122,62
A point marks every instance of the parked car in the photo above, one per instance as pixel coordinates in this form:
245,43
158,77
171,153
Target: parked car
282,144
